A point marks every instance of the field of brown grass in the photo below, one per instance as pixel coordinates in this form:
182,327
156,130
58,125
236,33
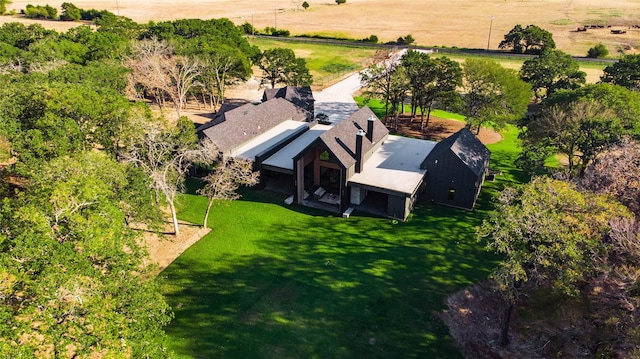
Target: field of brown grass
461,23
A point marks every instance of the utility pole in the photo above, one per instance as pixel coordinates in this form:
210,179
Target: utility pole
489,39
117,8
275,18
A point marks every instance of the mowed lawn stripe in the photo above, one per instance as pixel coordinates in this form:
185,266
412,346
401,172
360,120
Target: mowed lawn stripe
270,282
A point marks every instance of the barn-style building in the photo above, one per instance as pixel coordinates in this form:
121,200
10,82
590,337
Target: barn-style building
350,164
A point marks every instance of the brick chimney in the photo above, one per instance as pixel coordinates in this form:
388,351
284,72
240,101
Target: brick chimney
359,155
370,123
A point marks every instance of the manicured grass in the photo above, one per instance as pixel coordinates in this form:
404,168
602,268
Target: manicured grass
277,281
272,281
325,62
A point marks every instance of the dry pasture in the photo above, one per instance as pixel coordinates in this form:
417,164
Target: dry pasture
461,23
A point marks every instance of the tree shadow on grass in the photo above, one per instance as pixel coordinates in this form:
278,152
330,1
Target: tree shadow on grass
329,288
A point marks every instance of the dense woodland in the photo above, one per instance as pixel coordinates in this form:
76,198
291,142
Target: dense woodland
84,160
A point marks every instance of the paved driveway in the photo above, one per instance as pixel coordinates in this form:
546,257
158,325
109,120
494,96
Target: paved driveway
337,102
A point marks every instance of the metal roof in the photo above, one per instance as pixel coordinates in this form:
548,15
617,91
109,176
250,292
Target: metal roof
284,158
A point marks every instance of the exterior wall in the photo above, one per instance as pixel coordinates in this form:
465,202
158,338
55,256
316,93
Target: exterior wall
357,195
398,207
450,172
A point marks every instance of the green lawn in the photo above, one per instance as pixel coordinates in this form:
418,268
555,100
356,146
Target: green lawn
326,63
277,281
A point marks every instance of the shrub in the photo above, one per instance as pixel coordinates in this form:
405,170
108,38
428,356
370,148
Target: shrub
70,12
40,12
371,39
340,1
93,14
305,5
598,51
247,28
275,32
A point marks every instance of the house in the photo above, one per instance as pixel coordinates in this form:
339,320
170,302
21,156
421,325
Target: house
249,130
301,96
455,170
357,163
354,163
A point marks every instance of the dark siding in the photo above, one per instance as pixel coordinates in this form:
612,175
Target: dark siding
397,207
451,172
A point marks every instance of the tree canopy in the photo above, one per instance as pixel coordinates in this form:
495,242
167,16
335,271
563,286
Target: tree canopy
493,94
549,234
529,40
3,6
431,81
280,65
551,71
625,72
73,283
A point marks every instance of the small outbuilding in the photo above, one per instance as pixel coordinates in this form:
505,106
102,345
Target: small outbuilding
455,170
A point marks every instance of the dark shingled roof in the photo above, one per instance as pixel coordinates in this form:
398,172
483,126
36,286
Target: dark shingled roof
341,138
246,122
219,116
289,93
300,96
466,146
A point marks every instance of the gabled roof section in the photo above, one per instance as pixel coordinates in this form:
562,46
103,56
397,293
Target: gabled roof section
341,138
290,93
466,146
246,122
219,116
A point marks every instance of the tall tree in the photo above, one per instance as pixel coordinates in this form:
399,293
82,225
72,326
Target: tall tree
219,70
376,80
155,67
493,94
579,130
625,72
549,234
224,180
3,6
529,40
73,284
624,103
166,155
281,65
551,71
431,81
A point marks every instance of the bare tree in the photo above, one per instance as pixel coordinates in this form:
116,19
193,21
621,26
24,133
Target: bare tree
217,73
183,73
616,172
159,72
166,160
147,73
225,179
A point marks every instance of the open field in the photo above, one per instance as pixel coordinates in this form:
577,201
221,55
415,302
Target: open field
461,23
